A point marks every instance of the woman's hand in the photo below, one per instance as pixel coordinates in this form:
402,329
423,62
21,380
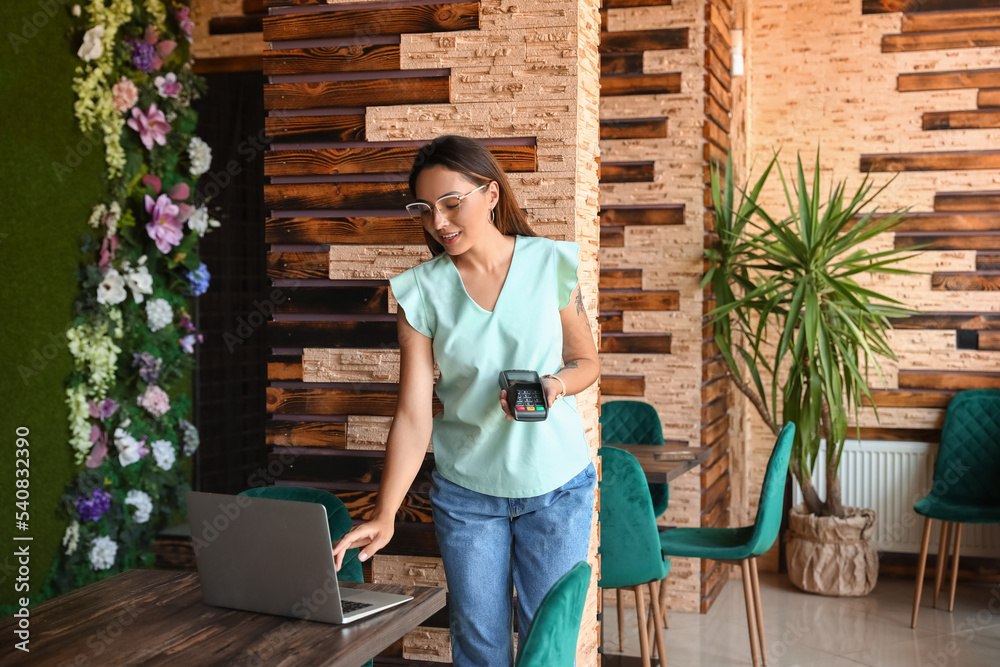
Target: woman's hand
550,387
372,536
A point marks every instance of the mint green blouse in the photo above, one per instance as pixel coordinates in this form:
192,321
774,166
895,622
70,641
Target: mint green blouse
474,445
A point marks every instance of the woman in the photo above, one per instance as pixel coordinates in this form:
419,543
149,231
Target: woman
512,500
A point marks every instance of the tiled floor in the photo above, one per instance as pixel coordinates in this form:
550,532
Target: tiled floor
816,631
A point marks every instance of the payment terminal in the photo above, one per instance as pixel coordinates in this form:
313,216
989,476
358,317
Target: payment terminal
525,396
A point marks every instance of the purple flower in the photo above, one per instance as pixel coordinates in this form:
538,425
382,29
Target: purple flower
198,279
186,322
143,56
102,410
187,343
152,125
164,228
93,508
185,22
148,365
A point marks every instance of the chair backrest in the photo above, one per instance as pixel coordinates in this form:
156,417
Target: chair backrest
630,542
551,640
772,492
635,423
630,422
337,516
967,469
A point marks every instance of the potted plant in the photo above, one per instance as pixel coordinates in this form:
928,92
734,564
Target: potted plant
799,336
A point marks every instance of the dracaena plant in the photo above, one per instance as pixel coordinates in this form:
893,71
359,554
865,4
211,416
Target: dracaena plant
799,334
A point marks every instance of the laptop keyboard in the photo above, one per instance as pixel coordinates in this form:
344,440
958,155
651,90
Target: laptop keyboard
349,605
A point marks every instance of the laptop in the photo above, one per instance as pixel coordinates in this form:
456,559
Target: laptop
273,557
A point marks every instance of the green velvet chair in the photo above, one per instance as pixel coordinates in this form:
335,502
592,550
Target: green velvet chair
552,639
337,516
630,542
743,545
636,423
966,486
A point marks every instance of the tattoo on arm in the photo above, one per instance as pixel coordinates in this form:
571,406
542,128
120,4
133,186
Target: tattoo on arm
580,310
571,364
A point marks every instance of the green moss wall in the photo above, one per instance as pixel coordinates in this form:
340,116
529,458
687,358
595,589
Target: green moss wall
45,210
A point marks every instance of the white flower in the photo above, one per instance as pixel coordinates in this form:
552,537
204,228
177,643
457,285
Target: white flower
91,49
139,280
112,288
97,215
142,502
128,449
163,452
102,552
158,314
76,10
200,155
71,538
199,222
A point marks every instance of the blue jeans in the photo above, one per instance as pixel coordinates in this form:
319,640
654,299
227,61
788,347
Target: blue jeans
490,545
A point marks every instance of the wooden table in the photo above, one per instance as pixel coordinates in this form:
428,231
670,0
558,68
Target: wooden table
665,463
157,617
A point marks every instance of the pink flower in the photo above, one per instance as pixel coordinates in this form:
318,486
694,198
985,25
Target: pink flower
155,401
163,48
124,95
187,25
180,191
99,438
153,181
109,246
167,85
152,126
102,410
164,228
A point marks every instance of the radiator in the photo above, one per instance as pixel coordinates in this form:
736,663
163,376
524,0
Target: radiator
889,477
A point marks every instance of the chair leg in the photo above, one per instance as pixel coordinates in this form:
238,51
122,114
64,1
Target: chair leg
640,613
921,565
954,565
755,580
663,602
621,620
751,615
661,649
942,561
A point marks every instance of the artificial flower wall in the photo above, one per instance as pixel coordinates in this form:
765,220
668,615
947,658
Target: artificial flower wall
133,336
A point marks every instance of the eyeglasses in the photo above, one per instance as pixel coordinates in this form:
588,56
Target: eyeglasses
447,206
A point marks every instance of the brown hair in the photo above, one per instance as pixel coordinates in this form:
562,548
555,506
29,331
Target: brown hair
474,161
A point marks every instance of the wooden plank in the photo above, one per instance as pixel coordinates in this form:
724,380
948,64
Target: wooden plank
379,195
988,261
341,300
713,154
955,242
327,59
345,127
332,334
249,63
712,432
714,369
610,322
315,401
883,6
616,4
371,22
343,230
235,25
957,321
951,20
306,434
974,78
714,495
895,434
378,159
712,411
989,341
620,279
961,120
620,300
632,172
718,69
714,388
298,265
944,161
671,214
612,237
646,84
948,380
254,7
720,21
364,92
908,399
709,349
719,93
948,222
966,201
935,41
717,113
964,282
643,128
635,343
623,385
284,368
717,42
716,135
988,98
630,41
616,64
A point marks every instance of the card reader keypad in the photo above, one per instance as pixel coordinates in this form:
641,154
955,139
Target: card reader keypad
529,400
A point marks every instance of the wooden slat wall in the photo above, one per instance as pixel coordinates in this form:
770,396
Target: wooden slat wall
228,35
664,112
345,123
